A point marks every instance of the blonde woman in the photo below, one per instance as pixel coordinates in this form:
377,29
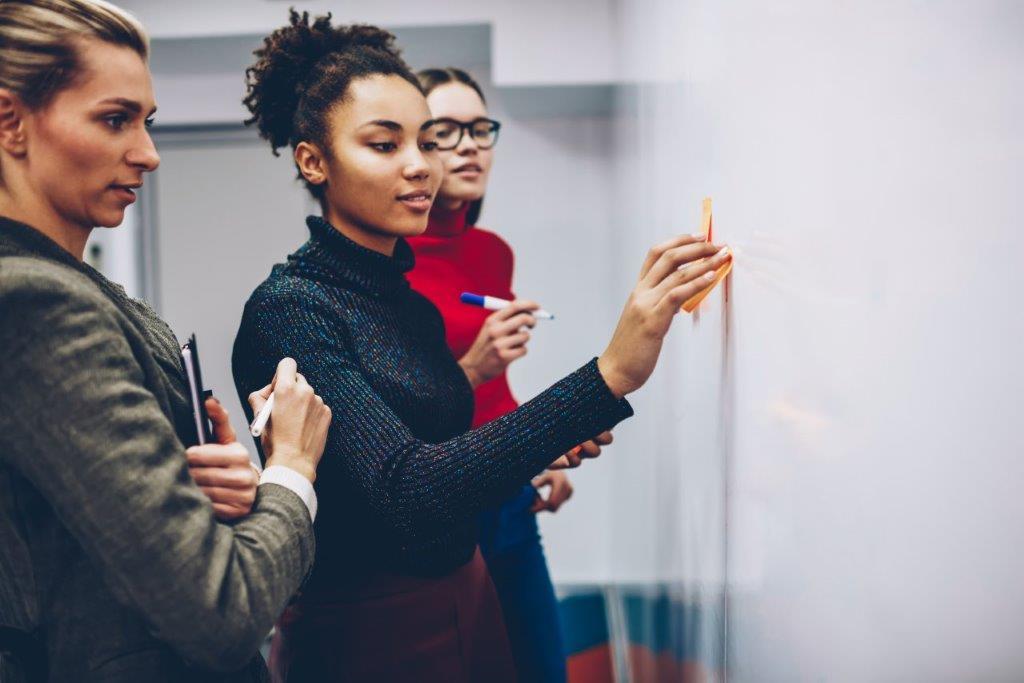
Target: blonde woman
114,566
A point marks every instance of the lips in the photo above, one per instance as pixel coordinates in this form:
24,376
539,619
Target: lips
126,191
419,200
469,168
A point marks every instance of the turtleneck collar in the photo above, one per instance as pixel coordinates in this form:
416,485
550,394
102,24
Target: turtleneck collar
331,256
446,222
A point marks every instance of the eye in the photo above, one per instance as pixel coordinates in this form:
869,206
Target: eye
384,146
428,146
116,121
149,122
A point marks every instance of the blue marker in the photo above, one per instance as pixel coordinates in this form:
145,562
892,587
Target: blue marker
495,304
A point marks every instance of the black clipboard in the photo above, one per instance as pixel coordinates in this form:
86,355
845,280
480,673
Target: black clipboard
196,394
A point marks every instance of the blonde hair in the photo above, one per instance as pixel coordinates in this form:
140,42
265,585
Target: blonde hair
38,42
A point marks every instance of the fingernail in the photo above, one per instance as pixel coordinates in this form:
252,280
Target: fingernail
698,236
710,275
723,251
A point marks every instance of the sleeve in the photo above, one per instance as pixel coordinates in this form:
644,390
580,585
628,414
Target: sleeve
78,422
421,489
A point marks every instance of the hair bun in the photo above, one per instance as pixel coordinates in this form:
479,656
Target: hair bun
290,58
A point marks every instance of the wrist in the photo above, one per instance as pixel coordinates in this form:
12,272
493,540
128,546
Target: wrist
611,378
293,462
472,375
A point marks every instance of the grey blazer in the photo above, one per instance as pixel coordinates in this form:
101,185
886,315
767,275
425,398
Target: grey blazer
109,554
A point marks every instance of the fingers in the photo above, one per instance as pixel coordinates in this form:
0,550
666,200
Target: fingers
562,463
285,375
693,272
589,449
218,455
227,513
569,460
513,325
237,478
513,309
671,260
656,252
560,491
258,398
603,439
512,341
223,432
704,275
230,496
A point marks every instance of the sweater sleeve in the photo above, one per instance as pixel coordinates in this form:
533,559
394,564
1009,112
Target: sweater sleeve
421,489
77,421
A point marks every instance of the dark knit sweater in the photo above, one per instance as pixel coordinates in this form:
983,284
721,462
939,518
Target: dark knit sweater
402,479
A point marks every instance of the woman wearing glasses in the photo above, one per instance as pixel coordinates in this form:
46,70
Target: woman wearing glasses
399,591
455,256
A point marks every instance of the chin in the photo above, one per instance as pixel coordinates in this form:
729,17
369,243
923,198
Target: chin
108,219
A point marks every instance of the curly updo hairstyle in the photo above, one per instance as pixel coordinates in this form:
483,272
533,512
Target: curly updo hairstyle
304,69
433,78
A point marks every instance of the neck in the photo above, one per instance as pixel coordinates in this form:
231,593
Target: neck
450,203
364,237
28,208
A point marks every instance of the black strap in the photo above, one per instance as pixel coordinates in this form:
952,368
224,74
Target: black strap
27,651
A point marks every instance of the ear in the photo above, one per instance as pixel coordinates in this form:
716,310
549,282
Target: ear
311,162
12,123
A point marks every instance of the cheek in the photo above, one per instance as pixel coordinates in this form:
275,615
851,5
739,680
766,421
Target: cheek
365,180
73,166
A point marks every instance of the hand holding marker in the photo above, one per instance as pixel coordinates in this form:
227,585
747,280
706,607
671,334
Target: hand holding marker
590,449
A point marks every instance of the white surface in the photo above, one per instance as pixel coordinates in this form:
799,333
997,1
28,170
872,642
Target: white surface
865,161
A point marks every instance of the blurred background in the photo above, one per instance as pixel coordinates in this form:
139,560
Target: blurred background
822,481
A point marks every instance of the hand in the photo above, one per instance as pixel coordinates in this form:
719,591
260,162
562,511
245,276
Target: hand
587,449
501,340
297,432
672,273
561,491
223,470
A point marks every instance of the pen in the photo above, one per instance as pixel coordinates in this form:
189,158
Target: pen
495,304
260,423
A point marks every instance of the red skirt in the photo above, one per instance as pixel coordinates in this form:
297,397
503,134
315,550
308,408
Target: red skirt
399,628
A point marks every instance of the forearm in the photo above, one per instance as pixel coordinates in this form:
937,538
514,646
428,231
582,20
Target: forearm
424,488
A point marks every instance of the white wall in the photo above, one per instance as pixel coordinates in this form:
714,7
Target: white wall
536,42
865,161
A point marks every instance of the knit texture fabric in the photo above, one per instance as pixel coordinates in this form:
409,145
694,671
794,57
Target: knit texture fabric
402,478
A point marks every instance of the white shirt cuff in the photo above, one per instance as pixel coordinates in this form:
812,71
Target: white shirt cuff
294,482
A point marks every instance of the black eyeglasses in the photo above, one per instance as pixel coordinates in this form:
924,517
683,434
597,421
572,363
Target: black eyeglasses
448,133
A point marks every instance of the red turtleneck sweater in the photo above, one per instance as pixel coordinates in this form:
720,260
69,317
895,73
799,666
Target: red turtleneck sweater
452,258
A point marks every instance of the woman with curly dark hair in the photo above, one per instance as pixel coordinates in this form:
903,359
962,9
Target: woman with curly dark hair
399,590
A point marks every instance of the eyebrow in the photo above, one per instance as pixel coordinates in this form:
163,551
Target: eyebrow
127,104
395,126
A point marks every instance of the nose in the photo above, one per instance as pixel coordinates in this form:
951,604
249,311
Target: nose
417,167
143,155
467,145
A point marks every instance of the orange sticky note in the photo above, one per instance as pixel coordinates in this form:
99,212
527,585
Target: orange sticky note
705,219
705,223
695,300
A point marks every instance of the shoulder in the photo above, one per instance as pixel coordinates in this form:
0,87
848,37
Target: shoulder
31,288
282,294
492,248
489,239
